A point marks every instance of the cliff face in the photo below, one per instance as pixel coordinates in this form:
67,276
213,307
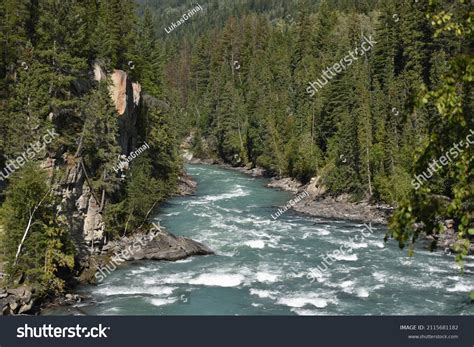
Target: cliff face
126,96
83,213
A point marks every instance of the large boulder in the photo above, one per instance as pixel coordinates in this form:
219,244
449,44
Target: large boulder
159,245
166,246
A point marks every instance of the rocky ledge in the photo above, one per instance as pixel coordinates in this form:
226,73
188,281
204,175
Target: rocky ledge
333,209
160,245
186,185
16,301
320,204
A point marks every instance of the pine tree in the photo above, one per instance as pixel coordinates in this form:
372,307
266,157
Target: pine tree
35,243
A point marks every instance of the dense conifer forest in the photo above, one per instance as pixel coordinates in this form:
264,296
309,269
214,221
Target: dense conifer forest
236,78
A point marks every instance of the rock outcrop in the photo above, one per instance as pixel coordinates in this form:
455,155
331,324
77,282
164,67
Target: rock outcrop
158,244
16,301
186,185
81,208
166,246
448,240
163,245
126,96
287,184
320,204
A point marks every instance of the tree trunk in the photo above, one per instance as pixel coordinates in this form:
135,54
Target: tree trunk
28,227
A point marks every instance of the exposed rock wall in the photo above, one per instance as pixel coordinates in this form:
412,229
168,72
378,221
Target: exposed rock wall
126,96
81,209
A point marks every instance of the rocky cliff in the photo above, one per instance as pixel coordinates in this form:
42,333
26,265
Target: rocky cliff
82,210
80,207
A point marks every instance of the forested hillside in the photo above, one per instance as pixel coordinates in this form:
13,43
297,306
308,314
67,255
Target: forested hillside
370,130
89,73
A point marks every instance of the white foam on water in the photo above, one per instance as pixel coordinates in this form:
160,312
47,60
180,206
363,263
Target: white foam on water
296,274
322,232
135,290
171,214
112,311
218,280
299,302
140,270
406,262
187,260
177,278
238,192
202,215
461,287
215,223
379,244
346,257
362,293
263,294
356,245
306,235
346,284
380,276
162,302
266,277
258,244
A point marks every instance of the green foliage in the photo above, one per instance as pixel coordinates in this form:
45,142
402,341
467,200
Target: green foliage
46,250
100,140
452,98
143,193
48,49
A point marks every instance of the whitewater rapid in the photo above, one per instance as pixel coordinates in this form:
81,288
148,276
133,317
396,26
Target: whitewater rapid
267,266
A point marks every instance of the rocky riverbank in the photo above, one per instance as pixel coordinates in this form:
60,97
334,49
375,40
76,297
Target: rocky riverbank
318,203
162,246
16,301
186,185
157,244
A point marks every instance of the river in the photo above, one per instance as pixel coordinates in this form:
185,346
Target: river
268,267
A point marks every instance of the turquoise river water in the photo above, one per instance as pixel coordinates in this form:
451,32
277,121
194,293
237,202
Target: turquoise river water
269,267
